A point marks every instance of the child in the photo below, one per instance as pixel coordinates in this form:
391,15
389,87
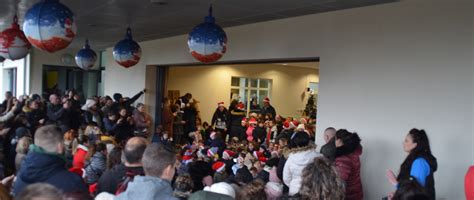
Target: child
249,132
272,132
259,132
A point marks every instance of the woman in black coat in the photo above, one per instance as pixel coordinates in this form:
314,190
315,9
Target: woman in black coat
220,120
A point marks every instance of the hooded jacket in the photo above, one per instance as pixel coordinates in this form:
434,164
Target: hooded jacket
147,188
47,168
348,167
297,160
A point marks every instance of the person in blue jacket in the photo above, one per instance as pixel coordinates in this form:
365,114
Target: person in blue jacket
419,163
46,163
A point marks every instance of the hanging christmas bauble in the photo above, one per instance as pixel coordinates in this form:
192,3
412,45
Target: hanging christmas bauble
13,43
86,57
127,52
207,41
49,25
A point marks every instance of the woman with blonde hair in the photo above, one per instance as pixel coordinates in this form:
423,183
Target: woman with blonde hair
22,149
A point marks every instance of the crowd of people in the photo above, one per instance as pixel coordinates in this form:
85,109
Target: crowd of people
58,147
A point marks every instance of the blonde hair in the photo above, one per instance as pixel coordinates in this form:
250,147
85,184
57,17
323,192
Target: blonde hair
321,181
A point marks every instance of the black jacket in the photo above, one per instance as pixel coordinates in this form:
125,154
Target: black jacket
259,134
111,178
329,149
270,110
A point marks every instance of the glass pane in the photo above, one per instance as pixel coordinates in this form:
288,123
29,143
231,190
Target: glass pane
262,95
234,94
263,83
254,83
235,81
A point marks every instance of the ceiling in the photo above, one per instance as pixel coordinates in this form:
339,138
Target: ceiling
104,21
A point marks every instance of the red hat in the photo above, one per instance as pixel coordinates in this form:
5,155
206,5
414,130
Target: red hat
263,159
266,100
252,121
244,120
228,153
218,166
257,154
240,106
220,104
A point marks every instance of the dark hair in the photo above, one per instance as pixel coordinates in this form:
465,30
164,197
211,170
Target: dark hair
184,183
115,157
422,149
133,151
243,175
351,140
157,158
255,190
410,190
299,139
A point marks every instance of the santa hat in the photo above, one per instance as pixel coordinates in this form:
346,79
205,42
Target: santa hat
257,154
220,104
228,154
240,106
266,100
288,125
188,156
252,121
263,159
244,120
218,166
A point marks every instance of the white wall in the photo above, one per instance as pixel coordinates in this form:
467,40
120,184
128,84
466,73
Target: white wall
384,70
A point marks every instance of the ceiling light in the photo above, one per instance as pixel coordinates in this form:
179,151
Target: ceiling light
284,64
159,2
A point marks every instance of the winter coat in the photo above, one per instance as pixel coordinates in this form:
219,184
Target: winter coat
348,167
178,128
249,133
47,168
147,188
220,119
80,157
329,149
96,167
296,162
110,126
33,117
269,109
423,169
259,134
189,116
111,179
235,118
140,120
90,117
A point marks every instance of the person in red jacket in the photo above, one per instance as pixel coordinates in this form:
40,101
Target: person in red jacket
348,151
81,153
469,184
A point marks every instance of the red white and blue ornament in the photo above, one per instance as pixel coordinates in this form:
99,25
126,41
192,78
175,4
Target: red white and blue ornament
49,25
207,41
86,57
13,42
127,52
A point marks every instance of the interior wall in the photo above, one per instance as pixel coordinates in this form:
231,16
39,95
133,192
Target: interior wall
384,69
40,58
212,84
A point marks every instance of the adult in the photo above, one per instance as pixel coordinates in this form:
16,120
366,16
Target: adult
141,120
268,108
321,181
236,115
121,102
58,113
469,183
124,173
40,191
125,127
220,120
33,114
182,101
419,163
329,149
159,166
348,151
46,163
8,96
303,151
167,118
410,189
91,113
189,116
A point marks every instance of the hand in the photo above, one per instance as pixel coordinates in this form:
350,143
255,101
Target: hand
391,177
66,105
8,181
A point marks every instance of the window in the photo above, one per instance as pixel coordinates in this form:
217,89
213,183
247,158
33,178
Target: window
9,80
247,90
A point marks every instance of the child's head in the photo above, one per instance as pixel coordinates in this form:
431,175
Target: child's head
243,122
261,123
283,142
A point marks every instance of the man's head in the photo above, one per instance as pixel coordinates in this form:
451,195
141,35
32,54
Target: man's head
329,133
54,99
8,95
159,161
117,97
40,191
49,138
133,151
